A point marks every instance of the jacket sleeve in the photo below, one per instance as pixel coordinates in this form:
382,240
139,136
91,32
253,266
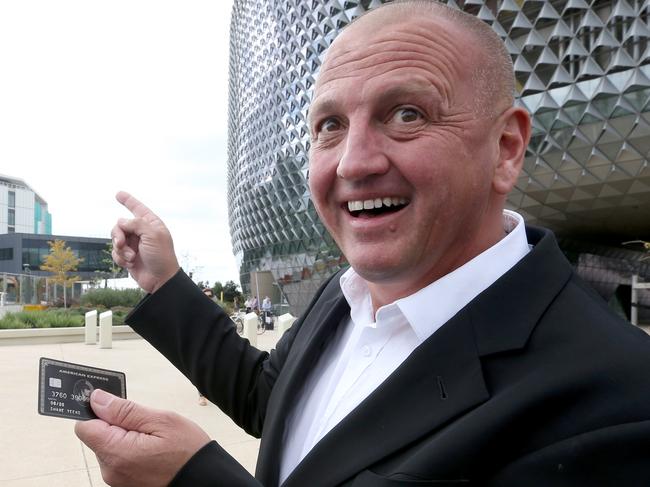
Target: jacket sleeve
211,466
199,338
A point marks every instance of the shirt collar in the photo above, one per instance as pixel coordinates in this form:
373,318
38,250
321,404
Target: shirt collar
432,306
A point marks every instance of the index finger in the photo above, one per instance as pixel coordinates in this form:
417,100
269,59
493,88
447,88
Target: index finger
134,205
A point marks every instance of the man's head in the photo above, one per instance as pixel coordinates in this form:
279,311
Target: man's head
415,143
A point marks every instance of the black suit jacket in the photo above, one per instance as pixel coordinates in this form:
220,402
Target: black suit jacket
534,383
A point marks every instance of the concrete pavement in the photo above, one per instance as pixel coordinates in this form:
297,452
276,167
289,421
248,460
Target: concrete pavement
39,451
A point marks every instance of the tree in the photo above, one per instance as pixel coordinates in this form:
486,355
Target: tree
217,289
231,291
110,270
60,262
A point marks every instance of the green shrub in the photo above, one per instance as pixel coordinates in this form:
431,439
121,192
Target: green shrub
30,318
61,319
10,322
81,310
124,310
41,319
110,298
119,313
119,301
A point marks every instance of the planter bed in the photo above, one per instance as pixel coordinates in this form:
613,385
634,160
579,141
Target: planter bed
33,336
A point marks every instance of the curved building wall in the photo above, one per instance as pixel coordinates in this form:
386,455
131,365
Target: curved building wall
582,71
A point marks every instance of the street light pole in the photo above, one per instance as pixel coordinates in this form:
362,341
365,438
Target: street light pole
23,287
30,277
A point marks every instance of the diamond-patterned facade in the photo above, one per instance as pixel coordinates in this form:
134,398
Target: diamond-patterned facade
583,72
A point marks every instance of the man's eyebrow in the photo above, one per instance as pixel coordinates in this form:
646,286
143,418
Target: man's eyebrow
328,105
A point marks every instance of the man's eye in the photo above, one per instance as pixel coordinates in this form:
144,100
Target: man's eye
407,115
329,125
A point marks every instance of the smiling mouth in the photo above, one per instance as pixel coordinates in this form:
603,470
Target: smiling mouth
376,206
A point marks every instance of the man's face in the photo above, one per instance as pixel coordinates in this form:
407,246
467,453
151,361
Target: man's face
400,164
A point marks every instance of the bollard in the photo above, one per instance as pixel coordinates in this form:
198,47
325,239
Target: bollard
250,328
91,327
284,322
106,329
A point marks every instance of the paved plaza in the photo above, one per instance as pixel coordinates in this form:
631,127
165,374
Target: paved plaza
40,451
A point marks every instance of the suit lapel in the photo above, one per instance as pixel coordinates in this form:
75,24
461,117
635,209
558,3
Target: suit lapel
318,328
440,380
505,314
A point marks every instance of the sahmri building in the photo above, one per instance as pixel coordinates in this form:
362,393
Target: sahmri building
582,70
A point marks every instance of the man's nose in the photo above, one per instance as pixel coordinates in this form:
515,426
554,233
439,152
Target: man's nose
362,155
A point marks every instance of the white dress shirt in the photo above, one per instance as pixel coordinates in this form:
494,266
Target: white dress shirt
367,348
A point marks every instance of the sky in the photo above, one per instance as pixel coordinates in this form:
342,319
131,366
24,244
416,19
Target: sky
97,97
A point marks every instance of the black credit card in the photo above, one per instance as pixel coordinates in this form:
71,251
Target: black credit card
64,388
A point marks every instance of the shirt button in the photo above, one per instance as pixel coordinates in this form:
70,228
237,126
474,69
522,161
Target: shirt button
366,351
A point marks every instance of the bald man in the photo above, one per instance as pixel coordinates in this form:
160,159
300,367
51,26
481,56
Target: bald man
459,348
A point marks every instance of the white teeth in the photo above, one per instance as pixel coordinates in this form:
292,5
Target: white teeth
355,205
358,205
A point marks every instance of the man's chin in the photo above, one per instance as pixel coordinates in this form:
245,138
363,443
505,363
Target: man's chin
378,271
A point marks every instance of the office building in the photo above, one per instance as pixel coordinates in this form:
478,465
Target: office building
22,210
22,253
26,229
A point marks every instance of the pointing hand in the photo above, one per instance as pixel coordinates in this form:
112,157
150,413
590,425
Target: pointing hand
143,245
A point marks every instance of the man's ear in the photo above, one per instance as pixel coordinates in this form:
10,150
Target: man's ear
515,134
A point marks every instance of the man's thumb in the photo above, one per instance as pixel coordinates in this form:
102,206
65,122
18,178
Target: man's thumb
135,226
120,412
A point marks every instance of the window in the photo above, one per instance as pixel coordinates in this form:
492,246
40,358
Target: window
11,216
94,254
12,199
11,229
7,254
32,258
34,251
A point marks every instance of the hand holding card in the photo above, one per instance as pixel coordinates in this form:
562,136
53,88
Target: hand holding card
64,388
137,445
